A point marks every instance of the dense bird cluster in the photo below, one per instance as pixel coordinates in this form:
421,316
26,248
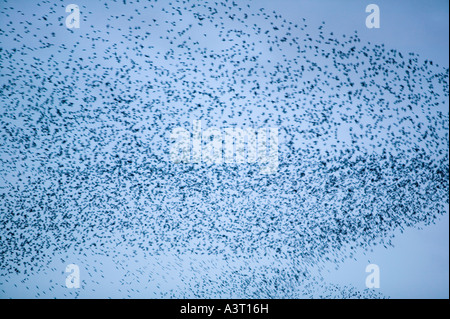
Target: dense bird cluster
85,122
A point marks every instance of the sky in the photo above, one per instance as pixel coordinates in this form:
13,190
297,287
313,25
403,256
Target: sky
416,266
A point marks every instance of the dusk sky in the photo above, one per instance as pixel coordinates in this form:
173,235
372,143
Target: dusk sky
87,120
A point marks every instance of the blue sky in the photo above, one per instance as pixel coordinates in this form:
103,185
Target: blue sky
416,267
418,264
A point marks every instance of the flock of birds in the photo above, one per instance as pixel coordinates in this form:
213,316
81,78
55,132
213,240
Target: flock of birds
85,122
